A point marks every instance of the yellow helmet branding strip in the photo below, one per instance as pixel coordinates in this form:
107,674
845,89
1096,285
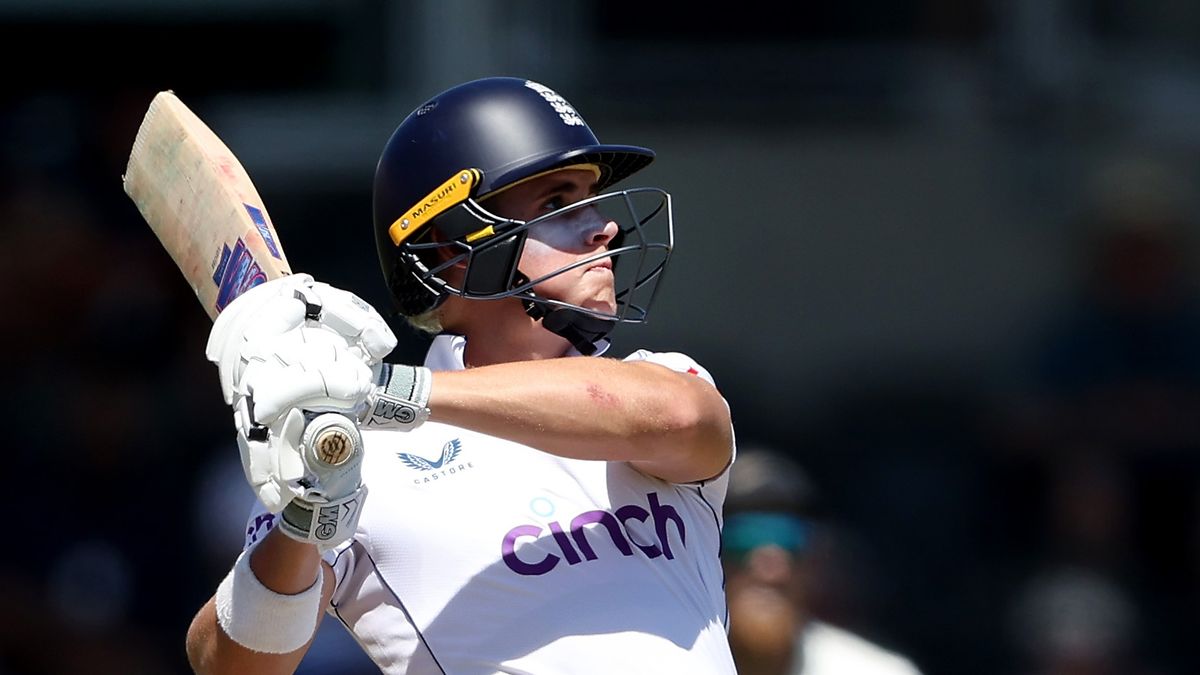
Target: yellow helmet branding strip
453,192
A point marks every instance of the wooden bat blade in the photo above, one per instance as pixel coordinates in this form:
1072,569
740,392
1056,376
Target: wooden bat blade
198,199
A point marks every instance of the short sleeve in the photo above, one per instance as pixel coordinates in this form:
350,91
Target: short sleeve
679,362
258,524
682,363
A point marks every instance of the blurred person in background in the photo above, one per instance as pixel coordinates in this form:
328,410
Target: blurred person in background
1118,361
1105,451
1079,608
1074,621
772,521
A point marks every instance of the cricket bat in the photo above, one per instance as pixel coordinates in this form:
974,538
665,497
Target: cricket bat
200,202
198,199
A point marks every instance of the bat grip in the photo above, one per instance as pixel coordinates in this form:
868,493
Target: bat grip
330,440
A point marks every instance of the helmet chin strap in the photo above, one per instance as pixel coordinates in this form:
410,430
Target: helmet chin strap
582,330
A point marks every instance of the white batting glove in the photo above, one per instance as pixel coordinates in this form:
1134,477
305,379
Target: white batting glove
291,463
286,351
321,458
310,367
284,304
306,369
351,317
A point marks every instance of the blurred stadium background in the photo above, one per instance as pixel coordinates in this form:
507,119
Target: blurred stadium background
943,252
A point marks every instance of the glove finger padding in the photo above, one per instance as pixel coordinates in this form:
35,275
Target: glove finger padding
311,375
282,305
271,308
273,465
327,389
305,344
357,321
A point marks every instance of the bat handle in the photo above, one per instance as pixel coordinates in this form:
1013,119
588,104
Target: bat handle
331,439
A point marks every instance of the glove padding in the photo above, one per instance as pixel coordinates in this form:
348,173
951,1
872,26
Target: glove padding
309,367
306,369
285,304
286,350
326,502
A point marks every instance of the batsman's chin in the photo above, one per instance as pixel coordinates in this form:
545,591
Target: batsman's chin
593,291
601,305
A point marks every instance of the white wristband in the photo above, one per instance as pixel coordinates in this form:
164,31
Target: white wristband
260,619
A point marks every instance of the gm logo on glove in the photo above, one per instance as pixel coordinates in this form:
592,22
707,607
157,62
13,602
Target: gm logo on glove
392,411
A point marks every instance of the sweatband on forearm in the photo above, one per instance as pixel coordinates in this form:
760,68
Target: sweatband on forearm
260,619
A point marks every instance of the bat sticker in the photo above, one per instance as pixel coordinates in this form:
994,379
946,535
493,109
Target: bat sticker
260,221
236,273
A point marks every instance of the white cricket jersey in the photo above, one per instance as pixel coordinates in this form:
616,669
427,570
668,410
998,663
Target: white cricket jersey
477,555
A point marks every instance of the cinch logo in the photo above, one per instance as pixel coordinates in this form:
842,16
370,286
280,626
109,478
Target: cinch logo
442,467
576,545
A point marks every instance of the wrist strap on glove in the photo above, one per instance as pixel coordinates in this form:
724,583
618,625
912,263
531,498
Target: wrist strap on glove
402,401
325,524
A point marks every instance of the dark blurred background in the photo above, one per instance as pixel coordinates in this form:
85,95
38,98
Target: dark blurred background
943,252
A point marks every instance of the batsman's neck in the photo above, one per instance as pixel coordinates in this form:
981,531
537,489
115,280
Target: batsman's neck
499,331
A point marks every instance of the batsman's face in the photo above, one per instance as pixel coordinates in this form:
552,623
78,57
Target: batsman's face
561,241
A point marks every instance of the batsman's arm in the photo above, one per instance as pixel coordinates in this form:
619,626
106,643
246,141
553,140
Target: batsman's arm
672,425
284,566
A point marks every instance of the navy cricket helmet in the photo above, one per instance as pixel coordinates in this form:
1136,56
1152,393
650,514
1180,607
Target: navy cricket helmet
475,139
